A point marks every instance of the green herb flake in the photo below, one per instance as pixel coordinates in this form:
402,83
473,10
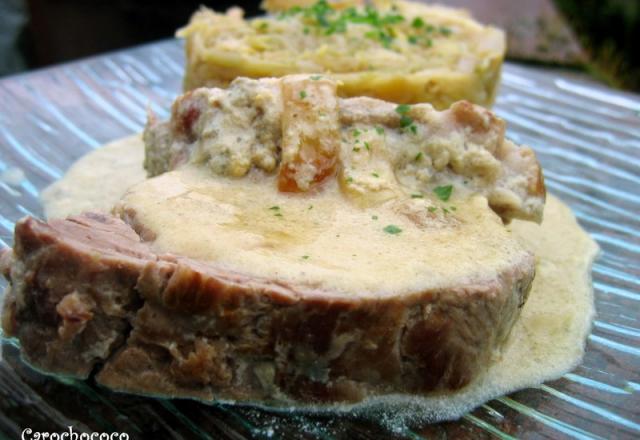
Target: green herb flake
367,146
429,43
405,121
356,149
453,208
290,12
349,179
305,257
418,157
275,208
315,77
384,37
310,208
443,192
305,30
263,26
413,129
417,23
445,210
380,130
374,174
374,217
417,196
412,39
278,214
445,31
403,109
392,229
303,94
355,132
432,209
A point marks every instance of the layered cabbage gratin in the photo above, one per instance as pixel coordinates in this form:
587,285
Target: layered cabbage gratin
397,51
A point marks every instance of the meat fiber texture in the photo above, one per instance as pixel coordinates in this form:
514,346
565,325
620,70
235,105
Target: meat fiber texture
88,295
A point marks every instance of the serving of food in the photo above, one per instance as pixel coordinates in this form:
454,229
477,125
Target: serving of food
329,219
399,51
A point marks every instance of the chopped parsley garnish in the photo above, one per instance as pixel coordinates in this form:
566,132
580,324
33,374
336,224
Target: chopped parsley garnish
383,36
403,109
418,157
320,10
305,257
310,207
349,179
315,77
374,217
380,130
355,132
413,129
333,21
263,26
417,196
356,149
453,208
275,208
445,210
417,23
290,12
328,21
374,174
405,121
392,229
278,214
443,192
367,146
303,94
429,43
431,209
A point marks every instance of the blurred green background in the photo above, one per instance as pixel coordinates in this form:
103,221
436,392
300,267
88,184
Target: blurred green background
610,32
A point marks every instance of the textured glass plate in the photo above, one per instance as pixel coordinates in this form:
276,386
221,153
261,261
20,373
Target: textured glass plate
586,136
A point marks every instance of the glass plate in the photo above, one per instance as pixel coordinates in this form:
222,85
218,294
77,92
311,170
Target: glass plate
586,136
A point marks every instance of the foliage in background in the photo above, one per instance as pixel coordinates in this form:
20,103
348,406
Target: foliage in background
610,31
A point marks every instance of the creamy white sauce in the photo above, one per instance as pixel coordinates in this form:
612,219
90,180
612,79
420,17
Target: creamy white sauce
322,240
97,180
547,341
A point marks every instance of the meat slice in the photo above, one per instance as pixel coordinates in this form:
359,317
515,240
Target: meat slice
71,294
86,292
